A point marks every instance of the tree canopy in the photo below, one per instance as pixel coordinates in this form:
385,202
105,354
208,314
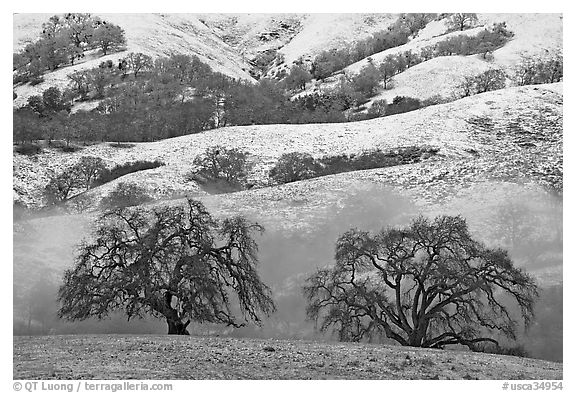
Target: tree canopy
429,284
175,262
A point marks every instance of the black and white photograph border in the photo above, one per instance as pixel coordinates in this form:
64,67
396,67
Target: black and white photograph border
250,192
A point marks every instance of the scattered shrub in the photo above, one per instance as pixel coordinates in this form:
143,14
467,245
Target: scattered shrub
401,104
293,167
28,149
489,80
514,350
434,100
367,80
485,42
329,165
34,81
122,145
374,159
124,195
377,109
108,175
222,167
71,148
297,78
543,68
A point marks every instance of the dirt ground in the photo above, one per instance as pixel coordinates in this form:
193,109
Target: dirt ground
190,357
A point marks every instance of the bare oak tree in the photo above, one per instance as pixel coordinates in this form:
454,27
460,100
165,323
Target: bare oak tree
427,285
462,21
175,263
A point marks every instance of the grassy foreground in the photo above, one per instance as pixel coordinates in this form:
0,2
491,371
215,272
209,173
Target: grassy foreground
170,357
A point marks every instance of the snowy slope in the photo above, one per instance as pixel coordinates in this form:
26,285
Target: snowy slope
440,76
227,42
154,34
533,34
325,31
496,152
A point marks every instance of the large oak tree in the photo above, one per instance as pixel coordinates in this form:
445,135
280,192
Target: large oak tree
175,262
426,285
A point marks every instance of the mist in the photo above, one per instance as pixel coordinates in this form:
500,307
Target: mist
526,222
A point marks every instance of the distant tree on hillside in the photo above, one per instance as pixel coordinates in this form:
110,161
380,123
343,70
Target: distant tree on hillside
429,284
108,36
461,21
547,67
63,39
54,101
73,180
175,262
367,80
427,53
79,28
492,79
377,109
388,68
62,186
88,169
52,126
98,79
124,195
297,78
139,62
402,104
219,163
25,126
293,167
415,22
80,83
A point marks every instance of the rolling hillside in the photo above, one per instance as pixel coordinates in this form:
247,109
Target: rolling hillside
226,42
533,35
496,152
230,43
510,134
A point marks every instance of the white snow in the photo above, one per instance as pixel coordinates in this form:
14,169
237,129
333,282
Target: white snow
325,31
440,76
444,126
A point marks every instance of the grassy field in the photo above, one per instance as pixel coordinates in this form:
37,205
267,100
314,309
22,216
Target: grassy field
190,357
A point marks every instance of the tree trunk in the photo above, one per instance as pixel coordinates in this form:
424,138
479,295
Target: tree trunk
175,324
177,327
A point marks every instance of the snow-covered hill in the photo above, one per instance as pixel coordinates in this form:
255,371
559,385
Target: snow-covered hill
494,149
512,133
154,34
230,43
226,42
534,34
